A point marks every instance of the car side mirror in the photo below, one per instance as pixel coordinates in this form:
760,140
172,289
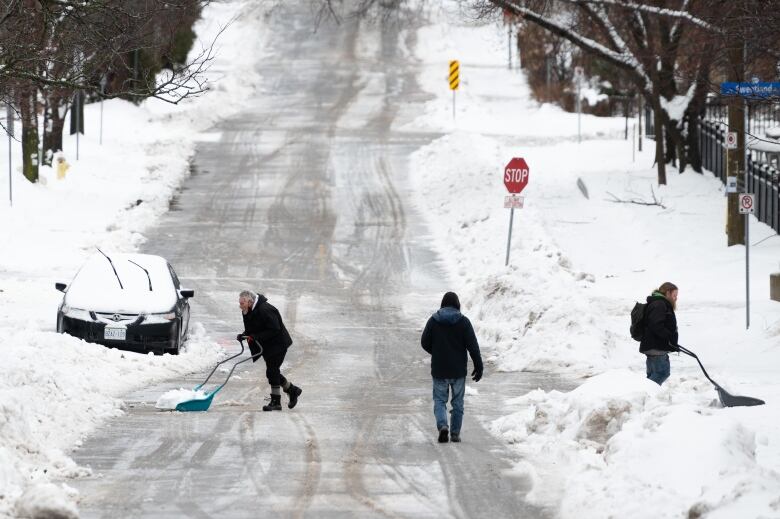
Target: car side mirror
60,286
186,294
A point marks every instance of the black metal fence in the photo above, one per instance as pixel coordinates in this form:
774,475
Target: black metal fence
762,179
763,162
761,116
762,176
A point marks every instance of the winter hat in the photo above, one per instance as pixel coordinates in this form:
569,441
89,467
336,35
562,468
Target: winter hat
450,299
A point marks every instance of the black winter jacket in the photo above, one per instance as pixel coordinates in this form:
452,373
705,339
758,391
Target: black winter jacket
660,325
447,336
265,326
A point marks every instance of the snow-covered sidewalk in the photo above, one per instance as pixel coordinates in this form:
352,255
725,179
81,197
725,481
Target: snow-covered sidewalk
55,389
618,443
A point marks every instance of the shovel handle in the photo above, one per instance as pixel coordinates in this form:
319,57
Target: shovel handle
251,357
691,354
219,364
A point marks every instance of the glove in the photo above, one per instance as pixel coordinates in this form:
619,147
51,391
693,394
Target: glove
240,337
476,375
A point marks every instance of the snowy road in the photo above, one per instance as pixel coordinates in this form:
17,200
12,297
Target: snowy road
305,198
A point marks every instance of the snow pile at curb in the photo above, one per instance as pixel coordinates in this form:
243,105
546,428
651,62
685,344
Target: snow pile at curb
47,403
618,434
532,315
47,501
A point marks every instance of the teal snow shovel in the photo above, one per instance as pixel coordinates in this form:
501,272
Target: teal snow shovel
727,399
202,404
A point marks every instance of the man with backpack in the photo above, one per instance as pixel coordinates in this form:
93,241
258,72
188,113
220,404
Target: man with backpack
658,331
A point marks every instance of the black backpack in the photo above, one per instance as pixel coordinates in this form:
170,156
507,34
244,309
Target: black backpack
638,321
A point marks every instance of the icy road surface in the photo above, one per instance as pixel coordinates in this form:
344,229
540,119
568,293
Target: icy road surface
304,197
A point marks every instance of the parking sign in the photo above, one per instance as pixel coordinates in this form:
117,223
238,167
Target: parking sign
747,203
731,140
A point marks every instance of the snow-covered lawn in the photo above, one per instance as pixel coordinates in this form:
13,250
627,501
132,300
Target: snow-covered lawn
54,389
619,445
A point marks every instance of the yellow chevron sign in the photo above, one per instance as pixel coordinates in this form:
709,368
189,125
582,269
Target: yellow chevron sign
454,74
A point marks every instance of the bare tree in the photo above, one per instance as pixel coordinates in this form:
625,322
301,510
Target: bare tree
70,43
51,49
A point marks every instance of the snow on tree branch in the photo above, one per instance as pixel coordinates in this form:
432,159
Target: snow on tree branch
617,58
621,55
675,32
681,13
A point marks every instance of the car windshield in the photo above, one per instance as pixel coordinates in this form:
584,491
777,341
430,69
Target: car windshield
95,287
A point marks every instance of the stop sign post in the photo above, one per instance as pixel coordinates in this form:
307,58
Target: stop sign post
516,174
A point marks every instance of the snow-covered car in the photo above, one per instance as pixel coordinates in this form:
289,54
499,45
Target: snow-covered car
126,301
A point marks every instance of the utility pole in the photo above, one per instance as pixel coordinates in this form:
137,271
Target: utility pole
735,225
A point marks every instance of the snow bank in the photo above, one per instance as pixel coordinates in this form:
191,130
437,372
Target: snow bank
620,435
47,501
533,315
56,389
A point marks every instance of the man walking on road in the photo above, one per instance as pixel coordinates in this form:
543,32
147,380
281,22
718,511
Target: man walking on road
263,326
448,335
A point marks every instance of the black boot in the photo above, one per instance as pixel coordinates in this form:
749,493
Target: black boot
275,404
293,392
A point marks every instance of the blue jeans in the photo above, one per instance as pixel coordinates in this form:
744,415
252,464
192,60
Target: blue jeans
658,368
441,389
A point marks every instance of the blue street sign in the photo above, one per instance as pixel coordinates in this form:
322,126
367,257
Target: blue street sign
756,89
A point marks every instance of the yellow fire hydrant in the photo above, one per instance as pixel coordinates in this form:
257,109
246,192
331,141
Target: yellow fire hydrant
62,167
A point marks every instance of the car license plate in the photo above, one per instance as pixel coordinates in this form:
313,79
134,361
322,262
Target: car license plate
116,334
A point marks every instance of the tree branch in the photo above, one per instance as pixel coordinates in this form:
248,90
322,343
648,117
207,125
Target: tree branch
638,201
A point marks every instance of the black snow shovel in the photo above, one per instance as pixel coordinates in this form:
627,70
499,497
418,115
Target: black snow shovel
726,398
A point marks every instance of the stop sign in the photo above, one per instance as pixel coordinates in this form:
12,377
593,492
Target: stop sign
516,175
